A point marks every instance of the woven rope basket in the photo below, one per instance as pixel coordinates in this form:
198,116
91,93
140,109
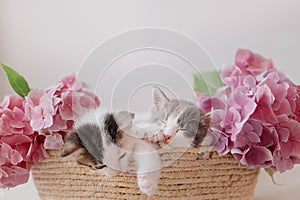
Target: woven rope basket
187,177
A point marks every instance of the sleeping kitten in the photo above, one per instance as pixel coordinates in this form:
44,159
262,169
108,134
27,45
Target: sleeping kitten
106,141
184,124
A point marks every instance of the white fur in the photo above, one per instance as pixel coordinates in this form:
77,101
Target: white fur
91,117
148,167
142,151
146,157
171,126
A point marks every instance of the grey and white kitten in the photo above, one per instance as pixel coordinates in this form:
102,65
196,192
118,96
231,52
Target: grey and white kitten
105,141
183,123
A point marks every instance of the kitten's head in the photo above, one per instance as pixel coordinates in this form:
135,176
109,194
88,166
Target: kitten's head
99,139
178,116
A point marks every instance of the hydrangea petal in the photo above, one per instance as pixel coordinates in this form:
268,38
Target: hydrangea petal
15,176
253,137
259,157
53,142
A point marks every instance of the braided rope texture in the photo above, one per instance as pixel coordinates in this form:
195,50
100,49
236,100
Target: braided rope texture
185,176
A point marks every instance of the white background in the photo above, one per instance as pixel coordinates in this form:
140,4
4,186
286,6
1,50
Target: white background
45,40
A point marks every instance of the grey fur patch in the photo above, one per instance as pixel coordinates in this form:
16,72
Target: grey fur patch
90,136
72,144
90,139
111,127
85,158
191,120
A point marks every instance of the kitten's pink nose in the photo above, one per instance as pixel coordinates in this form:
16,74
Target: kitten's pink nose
167,137
170,131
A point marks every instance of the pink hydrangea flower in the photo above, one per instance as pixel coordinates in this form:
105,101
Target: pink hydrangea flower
70,82
297,112
244,107
264,111
40,121
222,144
281,163
21,143
259,123
53,141
12,117
59,124
75,104
220,137
9,155
11,101
206,103
256,156
13,169
74,97
37,150
249,134
252,63
39,109
232,76
13,176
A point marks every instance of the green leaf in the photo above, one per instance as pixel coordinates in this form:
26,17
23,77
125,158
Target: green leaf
271,174
208,82
17,81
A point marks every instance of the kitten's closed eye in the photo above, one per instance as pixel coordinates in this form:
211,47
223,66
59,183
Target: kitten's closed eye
72,144
182,118
100,166
122,155
163,121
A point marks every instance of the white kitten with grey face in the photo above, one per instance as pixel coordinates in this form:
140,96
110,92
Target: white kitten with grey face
184,124
107,140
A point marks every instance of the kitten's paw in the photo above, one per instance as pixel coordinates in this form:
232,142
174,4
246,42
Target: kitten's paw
156,137
148,183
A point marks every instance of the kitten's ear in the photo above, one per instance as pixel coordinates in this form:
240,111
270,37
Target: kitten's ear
72,144
159,98
124,119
